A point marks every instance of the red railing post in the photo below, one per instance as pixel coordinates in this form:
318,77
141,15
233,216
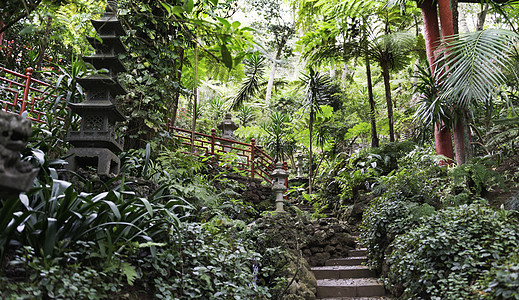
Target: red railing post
26,89
213,135
253,146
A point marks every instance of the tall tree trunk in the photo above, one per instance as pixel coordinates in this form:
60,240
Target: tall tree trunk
176,92
455,16
1,27
270,85
310,169
442,135
344,75
481,17
389,102
195,101
43,47
374,137
461,140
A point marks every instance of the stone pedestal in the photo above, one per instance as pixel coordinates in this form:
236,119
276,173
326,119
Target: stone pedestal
278,185
104,160
300,163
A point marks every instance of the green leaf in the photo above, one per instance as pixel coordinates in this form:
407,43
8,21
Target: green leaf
236,24
226,56
188,6
50,237
130,273
224,22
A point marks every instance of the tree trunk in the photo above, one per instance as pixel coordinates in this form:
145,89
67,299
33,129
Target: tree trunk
374,137
463,154
43,47
481,18
442,136
270,84
310,128
1,27
176,93
389,102
344,75
455,14
195,101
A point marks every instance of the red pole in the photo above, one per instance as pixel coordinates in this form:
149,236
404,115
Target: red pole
252,146
26,89
213,134
447,29
442,136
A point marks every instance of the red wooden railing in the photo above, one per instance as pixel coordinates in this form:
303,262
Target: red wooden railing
20,93
251,159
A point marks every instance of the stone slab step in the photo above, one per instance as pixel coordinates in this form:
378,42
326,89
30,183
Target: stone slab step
358,252
357,298
353,287
342,272
347,261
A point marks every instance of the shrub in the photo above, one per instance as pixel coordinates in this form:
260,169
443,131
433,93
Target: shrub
502,281
383,220
476,178
200,265
69,277
449,251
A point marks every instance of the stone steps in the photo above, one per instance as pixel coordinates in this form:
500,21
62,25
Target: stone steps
342,272
358,252
352,287
347,261
346,278
357,298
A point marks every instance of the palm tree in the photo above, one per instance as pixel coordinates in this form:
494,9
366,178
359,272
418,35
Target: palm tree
317,92
477,65
391,51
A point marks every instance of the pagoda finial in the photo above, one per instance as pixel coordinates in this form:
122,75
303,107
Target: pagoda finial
111,7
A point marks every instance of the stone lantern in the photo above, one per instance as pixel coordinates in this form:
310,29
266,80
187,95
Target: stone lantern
300,163
15,175
279,176
227,126
95,142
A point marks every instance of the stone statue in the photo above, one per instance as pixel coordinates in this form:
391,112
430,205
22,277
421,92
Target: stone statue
15,175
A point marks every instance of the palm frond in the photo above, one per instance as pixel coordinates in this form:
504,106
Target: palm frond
476,64
255,69
318,87
431,108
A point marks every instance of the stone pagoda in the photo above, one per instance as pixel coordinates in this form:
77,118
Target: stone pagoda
95,142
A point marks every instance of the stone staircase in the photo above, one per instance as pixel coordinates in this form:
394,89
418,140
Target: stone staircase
346,278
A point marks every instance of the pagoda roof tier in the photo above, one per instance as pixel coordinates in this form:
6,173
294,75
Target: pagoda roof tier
109,23
99,139
101,108
107,42
101,61
99,82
